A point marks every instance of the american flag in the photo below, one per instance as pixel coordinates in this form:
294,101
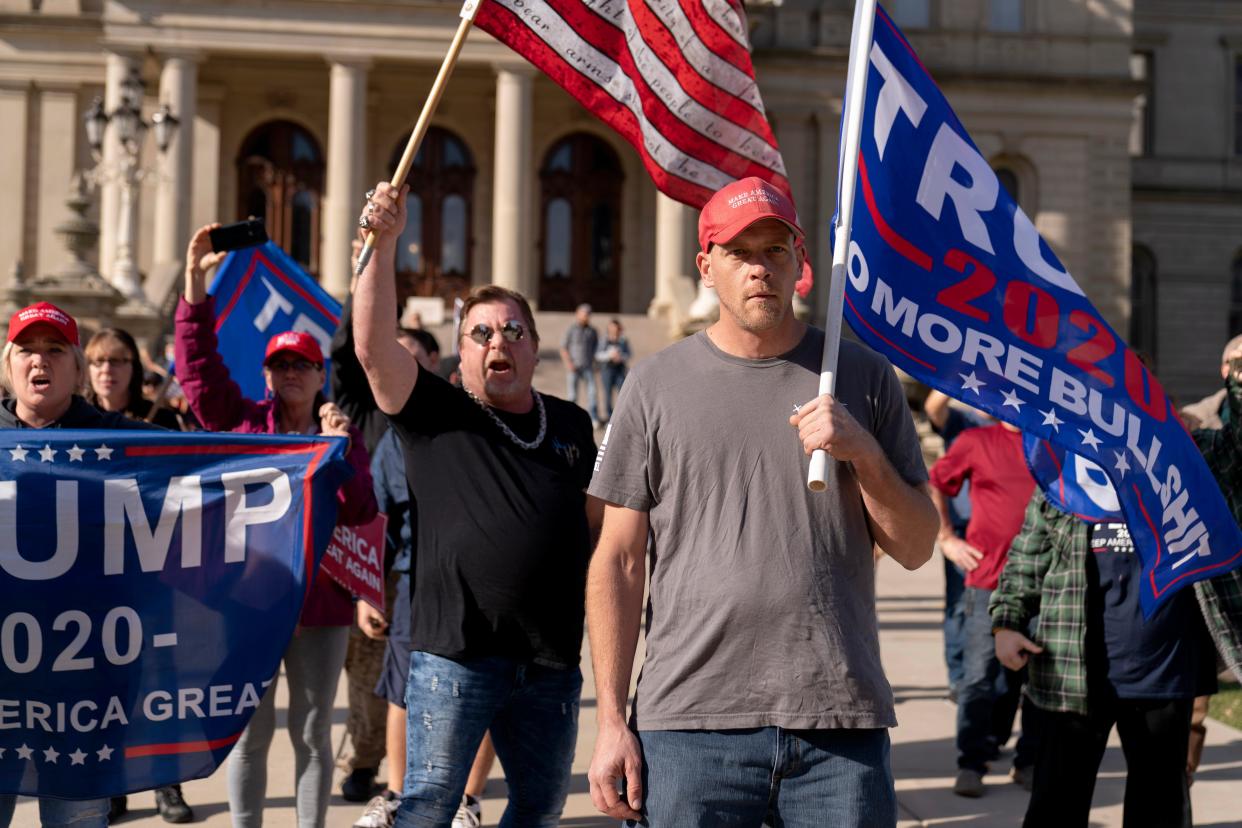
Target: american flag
673,77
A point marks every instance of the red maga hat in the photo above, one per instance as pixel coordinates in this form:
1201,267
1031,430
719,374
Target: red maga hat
302,344
737,206
44,313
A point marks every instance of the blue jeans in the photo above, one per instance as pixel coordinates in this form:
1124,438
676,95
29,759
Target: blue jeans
532,712
954,639
587,375
739,778
989,695
611,375
55,813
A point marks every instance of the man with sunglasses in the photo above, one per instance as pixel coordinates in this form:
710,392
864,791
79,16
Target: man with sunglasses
497,474
761,692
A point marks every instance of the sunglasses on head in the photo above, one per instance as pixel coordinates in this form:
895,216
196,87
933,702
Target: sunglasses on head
512,331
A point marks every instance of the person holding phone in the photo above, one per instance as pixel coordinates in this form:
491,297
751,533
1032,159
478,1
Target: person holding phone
293,368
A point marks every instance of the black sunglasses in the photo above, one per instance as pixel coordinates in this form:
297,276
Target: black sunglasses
512,331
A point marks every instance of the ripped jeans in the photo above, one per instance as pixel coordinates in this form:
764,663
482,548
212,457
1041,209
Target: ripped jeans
532,713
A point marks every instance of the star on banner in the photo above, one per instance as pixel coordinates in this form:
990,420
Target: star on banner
971,382
103,452
1123,465
24,752
18,455
2,750
51,755
1089,438
1051,419
1012,398
75,454
77,757
47,453
104,753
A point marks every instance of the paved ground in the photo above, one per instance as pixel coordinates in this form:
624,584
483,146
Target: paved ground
910,612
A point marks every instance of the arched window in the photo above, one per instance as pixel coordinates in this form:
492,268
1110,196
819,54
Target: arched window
1143,321
433,255
1009,180
580,220
280,179
1235,297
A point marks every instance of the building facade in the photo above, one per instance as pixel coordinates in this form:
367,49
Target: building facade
291,109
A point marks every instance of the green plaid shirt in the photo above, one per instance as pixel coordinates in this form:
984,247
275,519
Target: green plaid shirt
1046,574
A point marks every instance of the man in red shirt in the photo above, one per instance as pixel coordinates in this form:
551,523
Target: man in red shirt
991,458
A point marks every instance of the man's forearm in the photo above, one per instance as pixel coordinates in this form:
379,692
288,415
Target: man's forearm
903,519
942,512
613,611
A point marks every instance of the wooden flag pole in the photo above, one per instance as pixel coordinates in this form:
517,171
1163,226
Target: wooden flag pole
468,11
855,99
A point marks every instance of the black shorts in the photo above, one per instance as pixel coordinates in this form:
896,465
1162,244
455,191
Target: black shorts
396,670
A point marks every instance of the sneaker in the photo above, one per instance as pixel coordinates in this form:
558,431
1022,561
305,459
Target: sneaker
171,805
469,813
359,786
968,783
118,807
1023,776
380,812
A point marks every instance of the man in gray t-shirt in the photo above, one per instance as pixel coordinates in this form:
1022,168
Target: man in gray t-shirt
762,687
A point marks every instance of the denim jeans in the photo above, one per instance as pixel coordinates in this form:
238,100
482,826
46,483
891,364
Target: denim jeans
989,694
60,813
532,712
587,375
739,778
611,376
954,643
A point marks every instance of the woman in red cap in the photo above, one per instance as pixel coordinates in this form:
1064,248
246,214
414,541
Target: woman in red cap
294,370
44,370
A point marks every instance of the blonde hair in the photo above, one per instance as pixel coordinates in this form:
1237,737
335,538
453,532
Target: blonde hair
79,359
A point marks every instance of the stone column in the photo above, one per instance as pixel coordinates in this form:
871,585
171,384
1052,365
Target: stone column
119,67
15,244
178,89
347,137
675,275
511,194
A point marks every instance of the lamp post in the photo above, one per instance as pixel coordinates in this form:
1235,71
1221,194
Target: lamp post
130,130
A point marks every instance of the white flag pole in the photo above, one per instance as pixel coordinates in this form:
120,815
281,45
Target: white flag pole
855,97
468,10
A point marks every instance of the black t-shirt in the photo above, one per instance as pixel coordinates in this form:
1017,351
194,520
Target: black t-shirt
502,539
1162,657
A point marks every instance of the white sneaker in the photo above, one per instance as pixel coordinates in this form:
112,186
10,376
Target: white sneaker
379,813
469,813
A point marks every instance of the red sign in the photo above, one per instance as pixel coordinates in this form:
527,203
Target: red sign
355,560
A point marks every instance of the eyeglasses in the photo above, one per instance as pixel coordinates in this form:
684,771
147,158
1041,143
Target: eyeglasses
299,365
111,362
512,331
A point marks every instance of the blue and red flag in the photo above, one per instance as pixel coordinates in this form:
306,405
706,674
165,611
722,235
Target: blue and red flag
260,292
951,280
151,583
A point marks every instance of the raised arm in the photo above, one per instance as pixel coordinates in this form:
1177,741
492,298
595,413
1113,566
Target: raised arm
391,369
614,604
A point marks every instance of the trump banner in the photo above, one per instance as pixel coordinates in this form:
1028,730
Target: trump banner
260,292
151,582
949,278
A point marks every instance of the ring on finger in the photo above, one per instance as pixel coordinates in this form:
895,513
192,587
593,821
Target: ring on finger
370,193
364,221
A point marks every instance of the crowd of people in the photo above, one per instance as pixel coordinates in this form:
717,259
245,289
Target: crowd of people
511,534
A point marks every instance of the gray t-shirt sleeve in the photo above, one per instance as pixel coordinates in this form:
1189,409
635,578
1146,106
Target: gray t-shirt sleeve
623,463
894,429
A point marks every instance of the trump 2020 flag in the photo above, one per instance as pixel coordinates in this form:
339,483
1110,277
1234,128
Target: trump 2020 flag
259,293
151,582
950,279
1071,482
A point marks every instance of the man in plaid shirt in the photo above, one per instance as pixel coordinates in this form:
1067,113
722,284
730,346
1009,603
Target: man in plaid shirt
1097,663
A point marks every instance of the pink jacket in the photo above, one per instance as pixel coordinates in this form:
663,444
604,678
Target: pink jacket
218,403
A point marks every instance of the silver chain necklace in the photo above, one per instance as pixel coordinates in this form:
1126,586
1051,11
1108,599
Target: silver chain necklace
504,427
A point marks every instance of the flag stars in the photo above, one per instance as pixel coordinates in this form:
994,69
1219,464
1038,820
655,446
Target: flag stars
1089,438
47,453
104,753
972,383
1051,419
1012,399
1122,465
77,757
18,455
75,454
51,755
24,752
103,452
